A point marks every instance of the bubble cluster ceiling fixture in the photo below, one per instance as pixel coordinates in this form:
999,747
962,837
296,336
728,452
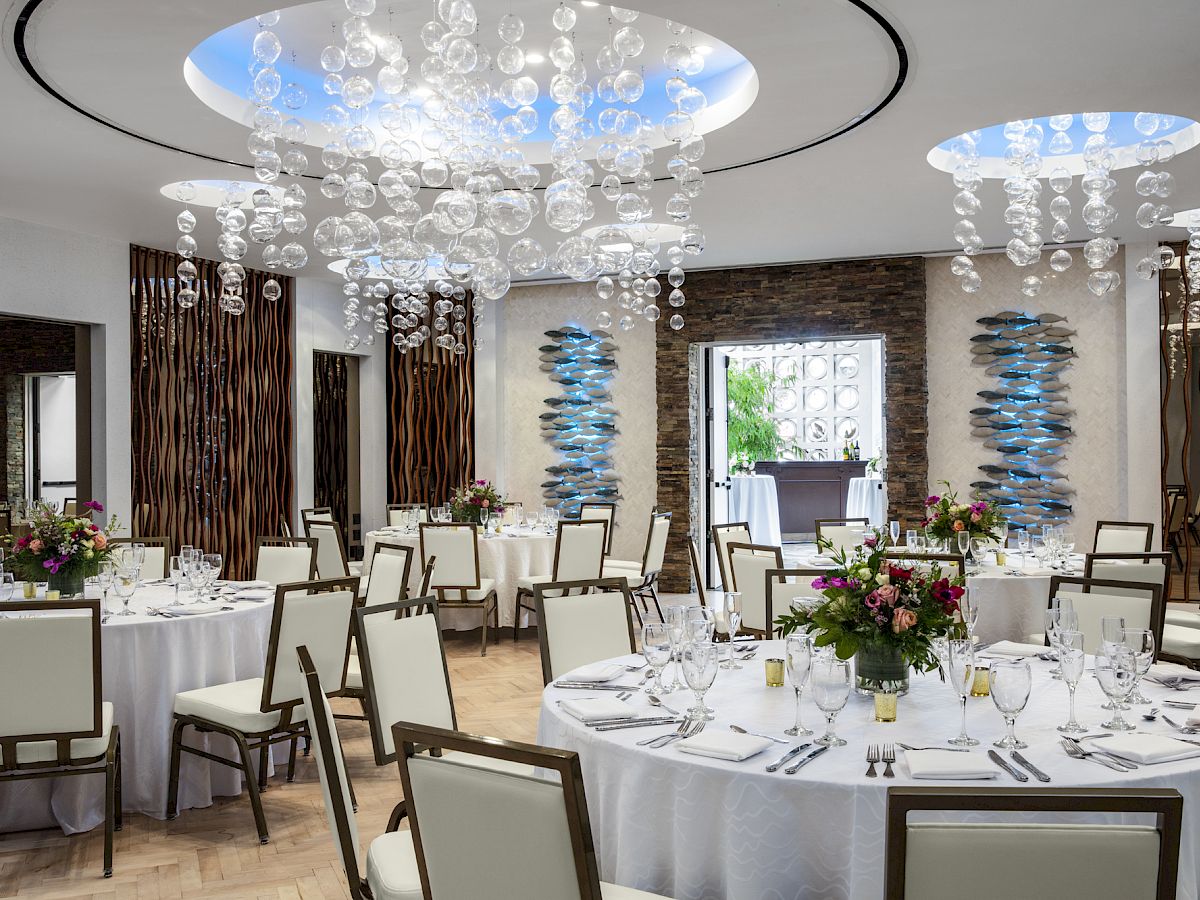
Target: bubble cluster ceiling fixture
446,118
1055,150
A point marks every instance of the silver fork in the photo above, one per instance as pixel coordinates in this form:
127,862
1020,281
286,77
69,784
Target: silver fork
1074,749
684,730
1186,729
889,757
872,758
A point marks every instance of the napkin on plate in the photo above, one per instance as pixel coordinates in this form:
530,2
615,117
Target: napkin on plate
948,765
1013,648
197,609
724,745
822,562
1146,748
595,709
596,672
243,585
1172,670
254,594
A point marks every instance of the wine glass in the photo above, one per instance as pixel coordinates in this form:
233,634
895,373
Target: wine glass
677,618
1066,546
960,672
894,531
969,609
1141,642
1024,542
830,680
1070,659
699,670
518,514
175,575
1059,617
1009,682
1116,670
799,655
125,583
104,578
212,570
656,647
732,619
8,585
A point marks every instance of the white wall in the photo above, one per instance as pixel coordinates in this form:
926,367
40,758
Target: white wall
510,391
1097,458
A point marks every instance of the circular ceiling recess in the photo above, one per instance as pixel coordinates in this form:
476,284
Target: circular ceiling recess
179,78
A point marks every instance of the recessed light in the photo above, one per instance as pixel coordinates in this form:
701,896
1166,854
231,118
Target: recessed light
704,49
534,58
588,3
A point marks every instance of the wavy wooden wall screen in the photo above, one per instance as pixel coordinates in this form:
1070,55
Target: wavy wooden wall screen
212,410
331,435
1179,386
431,422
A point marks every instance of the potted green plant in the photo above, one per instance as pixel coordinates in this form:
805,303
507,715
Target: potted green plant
753,430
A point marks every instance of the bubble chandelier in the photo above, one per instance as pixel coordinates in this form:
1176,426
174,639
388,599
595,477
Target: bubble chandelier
442,117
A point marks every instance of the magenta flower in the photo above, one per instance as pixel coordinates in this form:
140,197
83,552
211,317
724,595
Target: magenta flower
872,542
94,506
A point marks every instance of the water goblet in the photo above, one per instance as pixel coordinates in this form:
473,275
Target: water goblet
1112,630
125,583
8,585
214,562
699,670
799,656
1116,670
910,539
1024,542
1141,642
1066,545
1009,682
830,680
1071,657
656,647
960,672
677,618
731,619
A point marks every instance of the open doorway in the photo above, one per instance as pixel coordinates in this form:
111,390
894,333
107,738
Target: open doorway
794,432
336,427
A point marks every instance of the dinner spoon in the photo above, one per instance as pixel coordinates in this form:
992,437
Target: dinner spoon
655,701
740,730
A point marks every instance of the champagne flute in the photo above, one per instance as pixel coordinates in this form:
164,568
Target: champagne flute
125,583
1141,642
960,672
732,619
964,547
1116,670
969,610
1024,542
485,518
677,617
175,575
104,578
830,678
1066,548
799,653
1112,630
699,670
1009,682
1071,656
656,647
894,531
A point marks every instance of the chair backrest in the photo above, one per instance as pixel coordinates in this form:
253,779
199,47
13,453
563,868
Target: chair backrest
579,550
5,521
1152,568
748,566
50,669
316,514
722,536
395,509
472,825
391,567
315,614
331,554
655,553
280,560
949,565
842,534
697,568
456,547
1140,603
1123,537
403,662
1031,859
331,767
604,511
590,622
158,553
781,591
1178,513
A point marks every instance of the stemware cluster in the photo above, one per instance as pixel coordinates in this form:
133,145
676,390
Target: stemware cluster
195,569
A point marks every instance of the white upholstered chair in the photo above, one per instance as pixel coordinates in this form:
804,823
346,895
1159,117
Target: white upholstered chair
1140,603
395,512
600,512
1123,537
57,725
280,560
787,585
1031,858
456,577
840,534
489,818
331,553
722,536
749,565
578,556
260,712
643,576
582,622
390,569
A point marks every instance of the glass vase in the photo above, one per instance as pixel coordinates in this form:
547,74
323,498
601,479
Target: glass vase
880,668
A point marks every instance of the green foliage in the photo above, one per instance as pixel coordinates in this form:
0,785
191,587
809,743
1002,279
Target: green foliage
753,432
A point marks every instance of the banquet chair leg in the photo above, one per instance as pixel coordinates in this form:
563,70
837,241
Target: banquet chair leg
496,622
657,605
517,617
483,646
119,823
264,758
260,820
307,744
638,612
110,801
292,744
173,777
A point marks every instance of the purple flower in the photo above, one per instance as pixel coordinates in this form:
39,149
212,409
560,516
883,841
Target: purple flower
94,506
820,583
932,500
872,600
872,542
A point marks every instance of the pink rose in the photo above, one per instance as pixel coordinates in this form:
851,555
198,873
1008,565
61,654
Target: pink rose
888,593
903,619
36,546
100,540
975,517
486,503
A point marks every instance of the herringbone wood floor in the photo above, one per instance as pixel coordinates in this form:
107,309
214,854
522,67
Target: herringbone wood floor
214,853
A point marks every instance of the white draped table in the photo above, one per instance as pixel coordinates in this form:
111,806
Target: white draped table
866,498
505,558
755,499
147,660
695,828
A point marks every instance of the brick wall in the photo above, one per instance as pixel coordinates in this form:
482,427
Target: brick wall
786,303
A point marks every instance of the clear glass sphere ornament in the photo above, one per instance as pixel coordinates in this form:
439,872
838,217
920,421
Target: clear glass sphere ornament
333,58
434,172
459,15
563,18
1096,121
294,96
526,257
293,130
266,85
294,162
1145,268
966,203
1060,231
1146,184
185,192
272,290
272,258
185,221
185,298
604,319
562,52
1164,185
185,246
1166,150
1146,123
352,342
1146,153
1031,285
629,86
692,240
1164,257
625,323
511,28
1060,143
332,84
268,19
964,229
628,42
1099,216
186,270
1103,282
971,282
260,142
676,322
232,246
266,47
491,278
676,298
961,265
1145,215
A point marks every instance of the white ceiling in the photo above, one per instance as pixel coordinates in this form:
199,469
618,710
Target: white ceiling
869,192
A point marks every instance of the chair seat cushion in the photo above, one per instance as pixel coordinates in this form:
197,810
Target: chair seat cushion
1183,618
234,705
623,564
486,586
32,752
617,892
1181,641
392,869
634,574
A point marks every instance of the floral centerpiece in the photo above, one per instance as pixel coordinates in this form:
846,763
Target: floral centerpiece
60,549
946,518
470,501
885,615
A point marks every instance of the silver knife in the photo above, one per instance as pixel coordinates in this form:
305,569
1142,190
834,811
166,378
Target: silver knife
793,769
638,723
788,757
584,686
1037,773
1007,767
620,720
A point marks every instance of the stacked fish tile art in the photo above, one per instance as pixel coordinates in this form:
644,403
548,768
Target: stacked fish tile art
1025,419
581,421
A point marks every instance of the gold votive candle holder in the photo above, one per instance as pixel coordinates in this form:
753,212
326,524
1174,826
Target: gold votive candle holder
885,707
1001,558
979,685
53,595
29,590
774,670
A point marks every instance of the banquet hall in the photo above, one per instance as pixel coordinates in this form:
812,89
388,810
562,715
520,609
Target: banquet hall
753,449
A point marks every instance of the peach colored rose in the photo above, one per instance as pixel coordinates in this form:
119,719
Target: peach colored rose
903,619
959,526
486,503
36,546
889,594
100,540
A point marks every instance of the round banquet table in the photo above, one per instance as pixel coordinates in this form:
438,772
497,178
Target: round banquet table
696,828
866,498
147,660
505,558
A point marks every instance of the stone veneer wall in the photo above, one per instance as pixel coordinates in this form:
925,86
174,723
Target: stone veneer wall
787,303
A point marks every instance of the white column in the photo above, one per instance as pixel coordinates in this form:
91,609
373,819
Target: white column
489,397
1141,450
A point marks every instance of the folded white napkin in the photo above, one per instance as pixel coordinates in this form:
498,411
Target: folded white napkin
253,594
822,562
198,609
595,709
596,672
948,765
724,745
242,585
1172,670
1146,748
1013,648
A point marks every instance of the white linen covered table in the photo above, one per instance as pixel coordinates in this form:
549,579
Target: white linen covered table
866,498
696,828
755,499
505,558
147,661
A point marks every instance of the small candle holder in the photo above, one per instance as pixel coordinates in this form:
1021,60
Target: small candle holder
885,707
29,590
980,686
774,670
53,595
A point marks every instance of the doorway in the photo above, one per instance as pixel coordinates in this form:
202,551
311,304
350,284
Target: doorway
336,473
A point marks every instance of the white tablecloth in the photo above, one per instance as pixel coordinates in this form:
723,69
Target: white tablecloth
146,661
695,828
755,499
866,498
505,558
